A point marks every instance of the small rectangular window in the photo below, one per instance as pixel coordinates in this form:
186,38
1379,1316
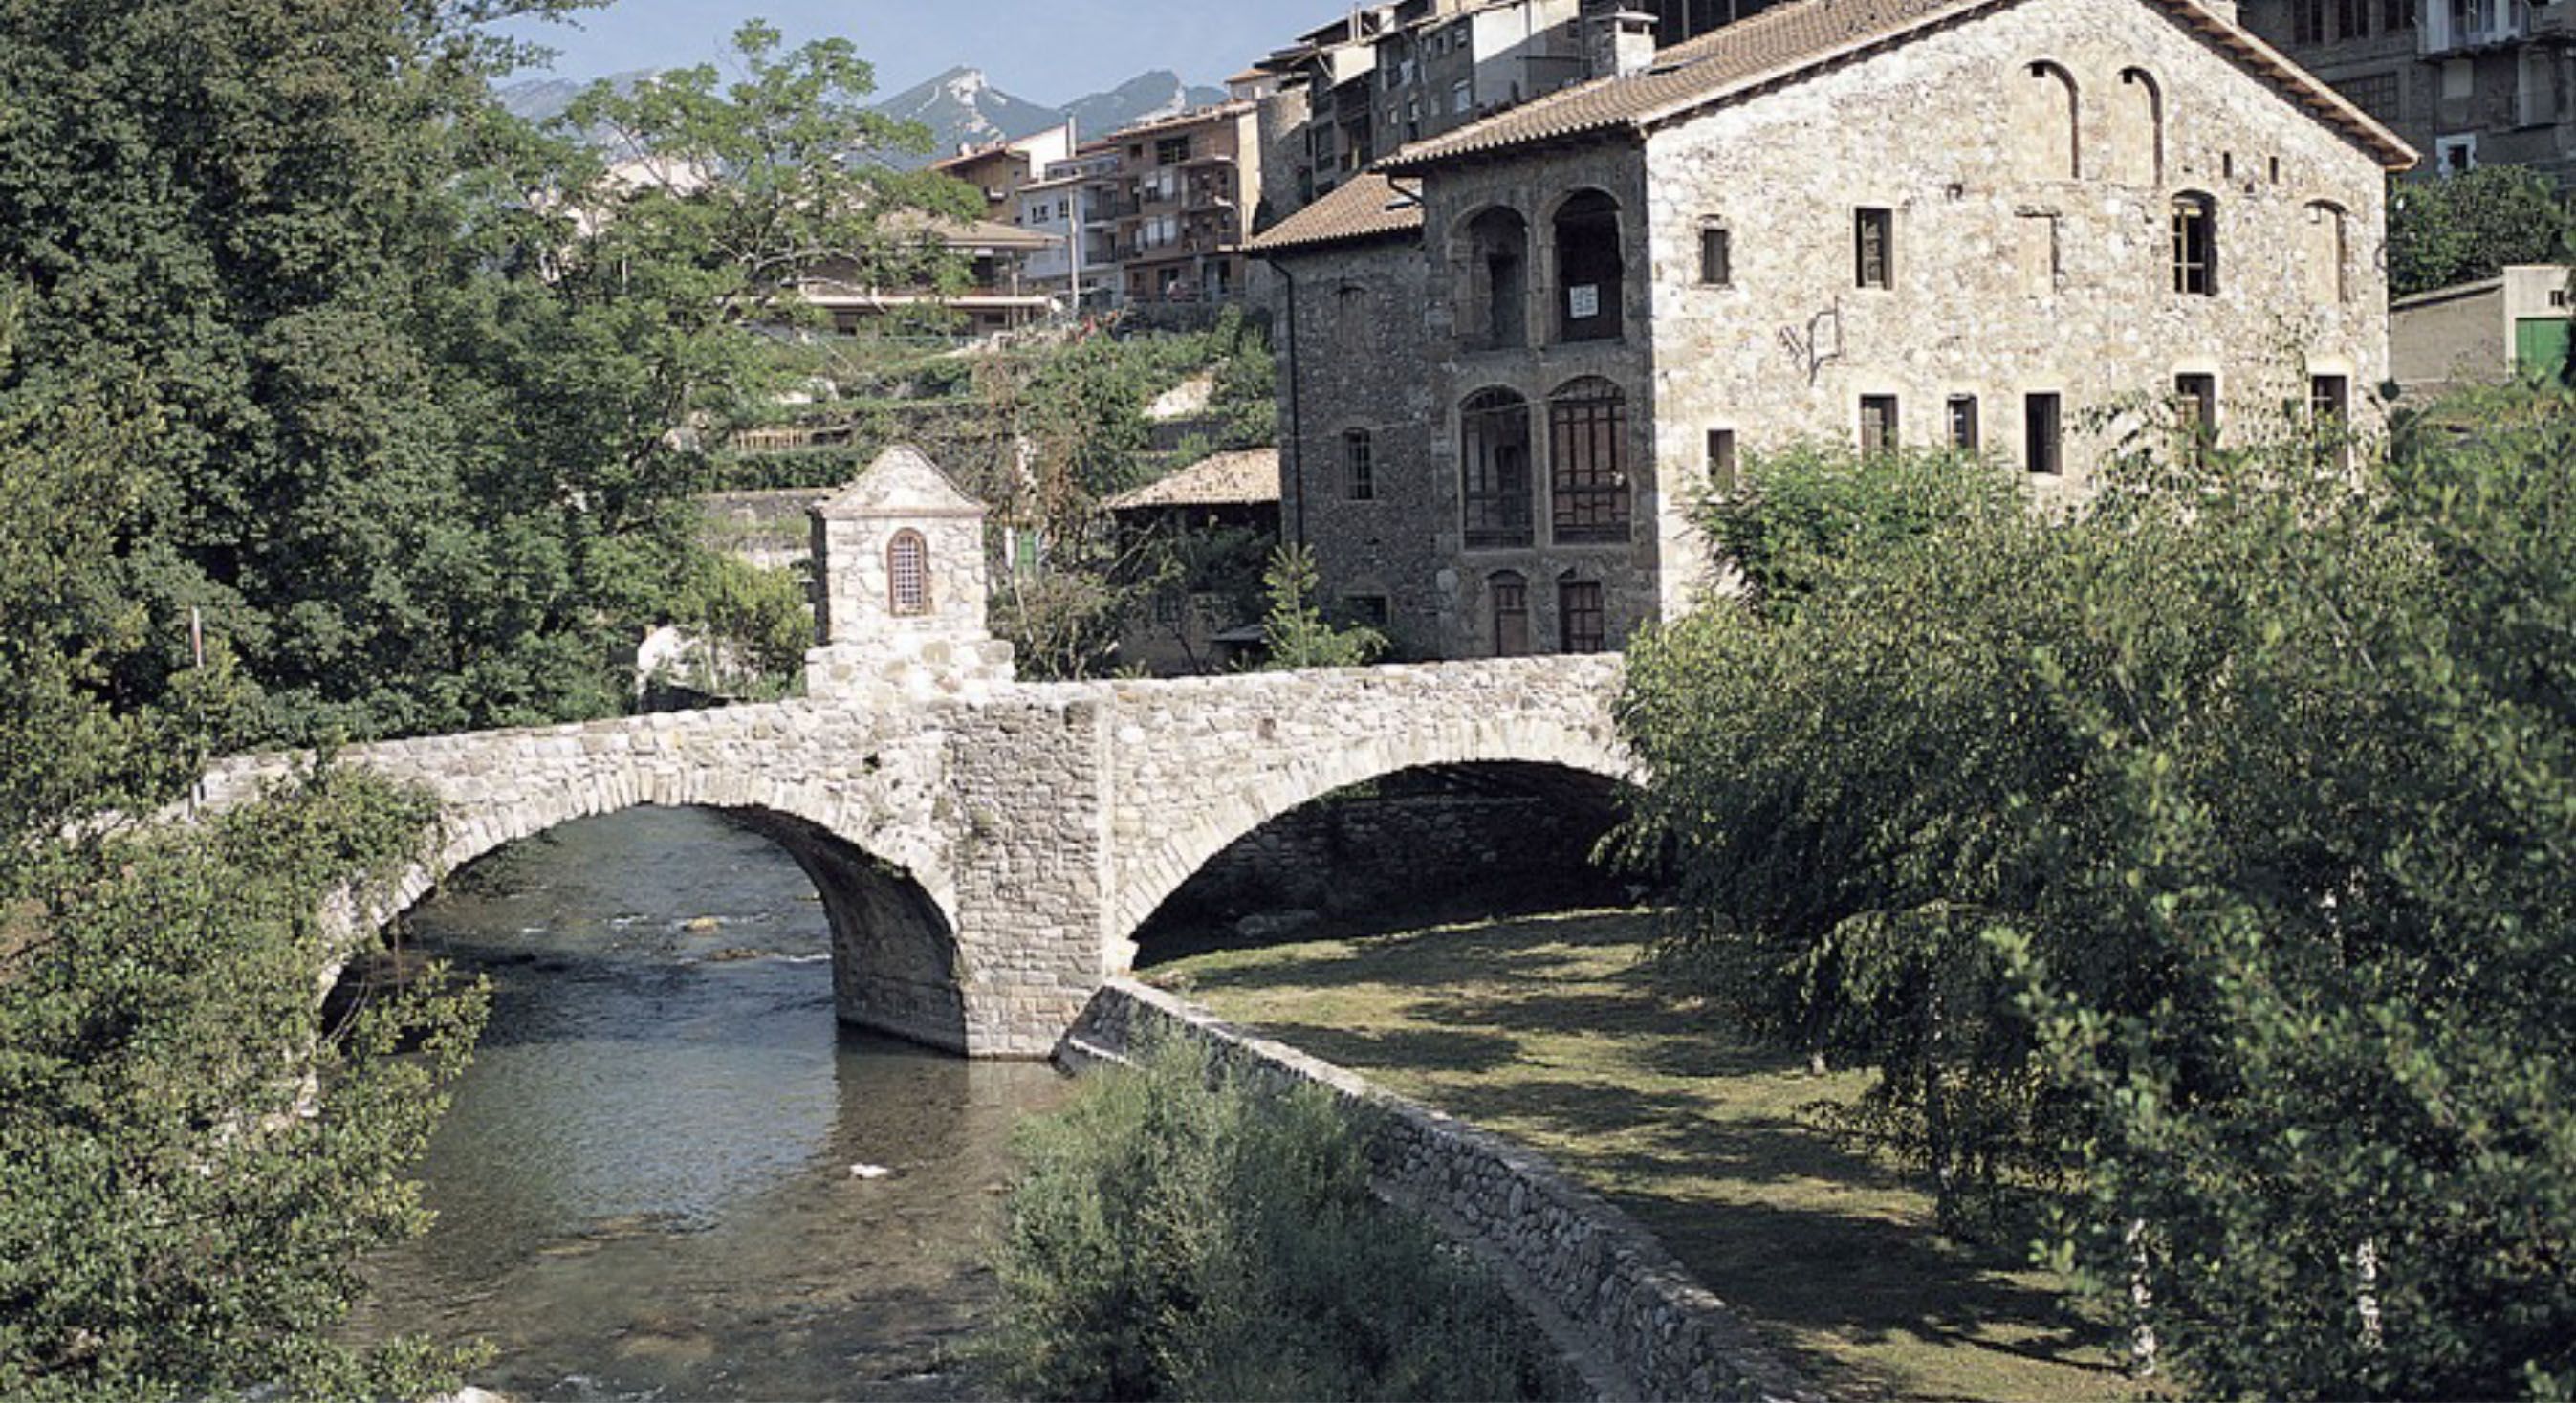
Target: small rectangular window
2042,440
1877,423
1965,434
1716,255
1579,621
2196,415
1366,610
2330,418
1721,461
1874,248
1359,466
2195,246
1511,615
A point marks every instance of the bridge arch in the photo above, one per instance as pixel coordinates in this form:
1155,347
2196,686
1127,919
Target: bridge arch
850,796
1266,788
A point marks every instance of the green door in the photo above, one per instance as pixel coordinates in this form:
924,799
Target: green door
2540,345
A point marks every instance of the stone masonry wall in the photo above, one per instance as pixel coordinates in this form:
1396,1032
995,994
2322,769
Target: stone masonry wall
1359,312
1628,572
1635,1317
1956,135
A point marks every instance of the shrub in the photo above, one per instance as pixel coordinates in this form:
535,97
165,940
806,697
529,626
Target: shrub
1178,1233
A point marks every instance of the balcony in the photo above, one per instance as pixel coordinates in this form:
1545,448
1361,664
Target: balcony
2463,26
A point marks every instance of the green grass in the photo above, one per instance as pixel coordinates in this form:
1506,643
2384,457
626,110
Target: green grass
1552,1031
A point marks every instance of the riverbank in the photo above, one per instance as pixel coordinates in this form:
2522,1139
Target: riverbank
1551,1033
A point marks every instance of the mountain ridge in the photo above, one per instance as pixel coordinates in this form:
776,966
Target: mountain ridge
962,107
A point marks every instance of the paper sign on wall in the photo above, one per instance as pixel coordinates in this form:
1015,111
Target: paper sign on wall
1583,302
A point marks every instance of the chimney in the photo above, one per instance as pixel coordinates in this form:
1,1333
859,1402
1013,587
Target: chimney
1620,43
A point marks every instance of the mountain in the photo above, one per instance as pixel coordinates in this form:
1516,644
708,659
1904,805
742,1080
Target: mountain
962,108
538,99
1160,93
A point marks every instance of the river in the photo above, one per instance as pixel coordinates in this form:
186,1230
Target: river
646,1187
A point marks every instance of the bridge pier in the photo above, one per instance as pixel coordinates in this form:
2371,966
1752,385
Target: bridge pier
1029,785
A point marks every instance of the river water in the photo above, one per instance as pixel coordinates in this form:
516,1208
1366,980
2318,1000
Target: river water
646,1187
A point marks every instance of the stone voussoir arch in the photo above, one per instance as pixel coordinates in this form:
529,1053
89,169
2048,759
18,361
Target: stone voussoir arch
1276,779
501,787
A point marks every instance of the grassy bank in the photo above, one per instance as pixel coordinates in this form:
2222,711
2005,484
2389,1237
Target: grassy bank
1550,1031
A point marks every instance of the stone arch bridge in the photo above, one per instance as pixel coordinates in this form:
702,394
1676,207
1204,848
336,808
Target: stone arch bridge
986,862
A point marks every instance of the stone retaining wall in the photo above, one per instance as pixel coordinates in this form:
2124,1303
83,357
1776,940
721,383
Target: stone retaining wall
1646,1328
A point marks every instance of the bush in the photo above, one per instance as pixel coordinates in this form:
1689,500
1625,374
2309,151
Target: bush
1179,1234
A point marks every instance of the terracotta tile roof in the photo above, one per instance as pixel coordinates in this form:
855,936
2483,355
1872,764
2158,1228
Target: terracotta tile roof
1247,478
1368,207
1789,40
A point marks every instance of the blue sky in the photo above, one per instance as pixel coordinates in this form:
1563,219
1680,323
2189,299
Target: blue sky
1048,51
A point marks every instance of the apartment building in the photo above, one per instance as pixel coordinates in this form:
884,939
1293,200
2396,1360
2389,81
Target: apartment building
1079,266
1386,76
1169,203
1001,169
1516,352
2467,82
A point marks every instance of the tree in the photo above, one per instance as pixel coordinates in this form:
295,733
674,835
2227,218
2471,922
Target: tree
2465,227
2193,856
177,1218
1180,1232
1296,631
431,385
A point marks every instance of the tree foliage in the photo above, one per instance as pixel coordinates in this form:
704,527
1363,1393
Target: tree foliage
1181,1233
1296,631
2198,853
428,385
2464,227
176,1216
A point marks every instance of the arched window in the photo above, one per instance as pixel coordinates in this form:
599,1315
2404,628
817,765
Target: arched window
1495,312
1587,438
908,575
2327,260
1508,590
1590,273
2138,129
2195,244
1494,469
2048,115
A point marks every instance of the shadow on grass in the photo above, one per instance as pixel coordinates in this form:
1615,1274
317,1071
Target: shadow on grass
1552,1032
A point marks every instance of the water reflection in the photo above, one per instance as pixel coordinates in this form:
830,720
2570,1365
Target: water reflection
645,1188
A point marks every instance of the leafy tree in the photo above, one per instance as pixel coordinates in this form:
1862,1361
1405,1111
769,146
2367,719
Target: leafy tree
177,1216
1296,631
2194,852
2461,228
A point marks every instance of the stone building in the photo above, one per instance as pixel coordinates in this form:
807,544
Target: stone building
2468,82
1222,515
1958,222
899,603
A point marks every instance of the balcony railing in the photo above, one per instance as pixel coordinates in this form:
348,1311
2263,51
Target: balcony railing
2475,24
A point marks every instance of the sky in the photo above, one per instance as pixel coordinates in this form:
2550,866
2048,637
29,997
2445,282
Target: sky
1047,51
